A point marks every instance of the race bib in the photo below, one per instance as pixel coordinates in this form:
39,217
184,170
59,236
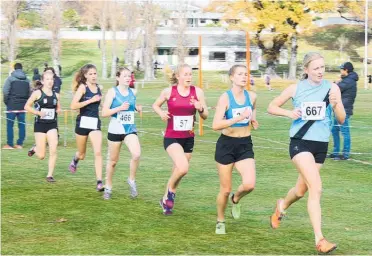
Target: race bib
313,110
183,123
238,111
49,113
126,117
88,122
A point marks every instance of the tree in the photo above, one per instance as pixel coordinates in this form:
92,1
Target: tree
181,50
11,11
151,16
115,13
29,19
342,41
71,17
53,20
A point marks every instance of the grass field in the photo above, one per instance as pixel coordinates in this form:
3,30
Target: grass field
70,217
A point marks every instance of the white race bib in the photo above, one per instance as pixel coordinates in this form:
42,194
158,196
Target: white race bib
125,117
88,122
183,123
238,111
49,113
313,110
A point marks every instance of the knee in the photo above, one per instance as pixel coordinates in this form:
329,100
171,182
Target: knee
52,152
98,154
316,190
183,168
136,156
248,187
225,191
112,163
41,156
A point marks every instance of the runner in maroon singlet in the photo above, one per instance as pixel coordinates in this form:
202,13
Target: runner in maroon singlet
183,101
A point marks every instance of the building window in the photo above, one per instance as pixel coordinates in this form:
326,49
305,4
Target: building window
217,56
215,21
162,51
240,56
203,21
193,51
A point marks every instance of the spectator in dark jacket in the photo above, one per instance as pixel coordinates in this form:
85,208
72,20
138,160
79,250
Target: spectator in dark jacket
16,91
57,80
348,88
36,76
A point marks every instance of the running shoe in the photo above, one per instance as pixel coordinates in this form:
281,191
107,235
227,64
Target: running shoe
220,228
235,210
107,194
277,215
50,179
132,188
73,166
170,200
166,210
100,187
324,246
31,151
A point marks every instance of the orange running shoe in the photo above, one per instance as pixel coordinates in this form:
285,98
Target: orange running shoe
277,215
324,246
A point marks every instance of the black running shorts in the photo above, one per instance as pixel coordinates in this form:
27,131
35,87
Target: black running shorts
45,127
231,149
186,143
118,137
317,148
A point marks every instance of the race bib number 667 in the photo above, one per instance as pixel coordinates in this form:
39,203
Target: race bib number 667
313,110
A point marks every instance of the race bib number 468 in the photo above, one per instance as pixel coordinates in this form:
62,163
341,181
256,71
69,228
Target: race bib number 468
313,110
183,123
126,117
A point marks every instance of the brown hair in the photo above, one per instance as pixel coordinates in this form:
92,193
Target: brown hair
309,57
79,76
118,73
38,85
233,69
179,67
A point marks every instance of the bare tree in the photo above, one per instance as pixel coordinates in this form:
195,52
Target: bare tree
151,16
342,41
181,39
11,10
52,16
103,24
114,16
131,25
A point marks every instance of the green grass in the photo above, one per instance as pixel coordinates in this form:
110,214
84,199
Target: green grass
70,217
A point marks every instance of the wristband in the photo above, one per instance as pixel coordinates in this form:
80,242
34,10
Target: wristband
201,110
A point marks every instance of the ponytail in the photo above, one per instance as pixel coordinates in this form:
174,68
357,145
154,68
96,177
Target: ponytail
38,85
79,77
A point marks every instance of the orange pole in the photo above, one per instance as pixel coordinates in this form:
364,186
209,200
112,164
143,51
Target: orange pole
248,59
201,131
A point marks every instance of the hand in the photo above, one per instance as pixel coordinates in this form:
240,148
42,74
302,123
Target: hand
246,114
42,114
198,106
254,124
164,115
334,98
295,114
59,110
139,108
124,106
95,98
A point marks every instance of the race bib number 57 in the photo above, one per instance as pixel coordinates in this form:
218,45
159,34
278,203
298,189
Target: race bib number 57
183,123
313,110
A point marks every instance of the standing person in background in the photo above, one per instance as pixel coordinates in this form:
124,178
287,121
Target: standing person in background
57,80
132,83
138,65
16,91
36,75
348,88
183,100
87,99
46,106
313,99
267,82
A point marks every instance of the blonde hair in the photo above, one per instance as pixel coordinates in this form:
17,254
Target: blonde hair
309,57
80,76
177,71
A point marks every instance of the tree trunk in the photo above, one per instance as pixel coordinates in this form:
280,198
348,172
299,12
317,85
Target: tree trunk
103,45
12,39
113,18
293,60
270,68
